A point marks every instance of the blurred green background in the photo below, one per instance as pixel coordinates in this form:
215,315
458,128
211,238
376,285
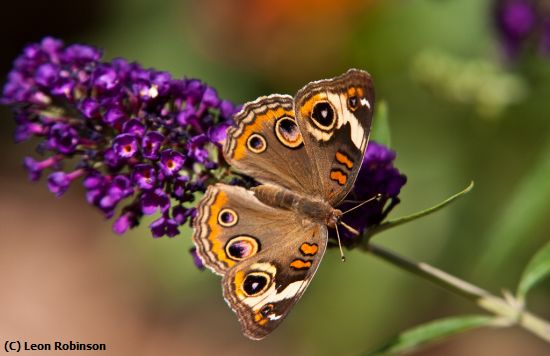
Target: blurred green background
458,112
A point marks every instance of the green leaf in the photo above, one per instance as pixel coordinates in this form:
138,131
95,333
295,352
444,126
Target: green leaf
381,125
537,269
527,207
430,332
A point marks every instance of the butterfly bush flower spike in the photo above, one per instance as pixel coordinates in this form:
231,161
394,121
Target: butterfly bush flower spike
139,140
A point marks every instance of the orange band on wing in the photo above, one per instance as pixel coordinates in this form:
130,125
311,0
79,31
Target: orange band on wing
216,229
307,106
353,91
309,249
257,126
237,283
260,319
300,264
338,176
344,159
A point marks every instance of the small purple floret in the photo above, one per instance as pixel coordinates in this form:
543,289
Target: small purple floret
153,200
196,259
63,138
171,162
151,144
134,126
59,182
105,78
181,214
144,176
35,168
163,226
197,148
125,145
122,224
210,97
114,116
89,107
218,133
186,116
46,74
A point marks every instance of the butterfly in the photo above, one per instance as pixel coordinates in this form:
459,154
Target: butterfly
306,152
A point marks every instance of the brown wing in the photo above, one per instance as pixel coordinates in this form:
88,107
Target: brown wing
267,145
231,224
263,289
268,256
334,117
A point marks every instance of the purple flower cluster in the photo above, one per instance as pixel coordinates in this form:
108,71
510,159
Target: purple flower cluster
523,24
142,141
377,176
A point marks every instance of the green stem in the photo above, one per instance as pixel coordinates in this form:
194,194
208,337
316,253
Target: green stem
508,311
405,219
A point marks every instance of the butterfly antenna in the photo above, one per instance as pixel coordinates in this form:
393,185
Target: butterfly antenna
349,228
376,197
340,244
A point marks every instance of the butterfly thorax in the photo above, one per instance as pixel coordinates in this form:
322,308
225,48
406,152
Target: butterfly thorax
314,209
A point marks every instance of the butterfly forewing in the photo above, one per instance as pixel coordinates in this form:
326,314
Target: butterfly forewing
265,143
334,116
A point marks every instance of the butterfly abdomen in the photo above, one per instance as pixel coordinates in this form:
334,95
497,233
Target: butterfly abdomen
313,209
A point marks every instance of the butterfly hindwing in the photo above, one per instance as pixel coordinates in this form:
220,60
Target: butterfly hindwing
263,289
249,243
231,225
